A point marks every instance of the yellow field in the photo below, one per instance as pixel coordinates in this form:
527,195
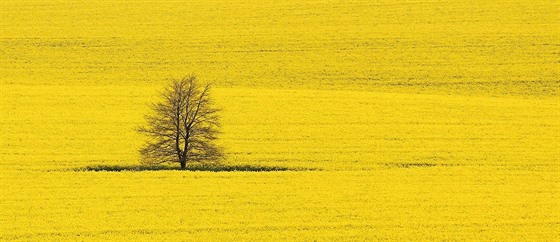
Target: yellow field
416,120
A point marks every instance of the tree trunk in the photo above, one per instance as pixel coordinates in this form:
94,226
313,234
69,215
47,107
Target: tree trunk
183,163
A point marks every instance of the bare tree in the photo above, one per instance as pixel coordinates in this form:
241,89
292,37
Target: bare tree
183,125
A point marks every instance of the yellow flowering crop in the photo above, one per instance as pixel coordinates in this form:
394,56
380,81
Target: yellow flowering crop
398,120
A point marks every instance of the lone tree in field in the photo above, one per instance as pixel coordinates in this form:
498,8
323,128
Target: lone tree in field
183,125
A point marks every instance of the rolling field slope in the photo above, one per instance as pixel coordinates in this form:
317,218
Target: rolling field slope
415,120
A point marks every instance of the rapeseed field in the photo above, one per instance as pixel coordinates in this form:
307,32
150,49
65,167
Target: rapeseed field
399,121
